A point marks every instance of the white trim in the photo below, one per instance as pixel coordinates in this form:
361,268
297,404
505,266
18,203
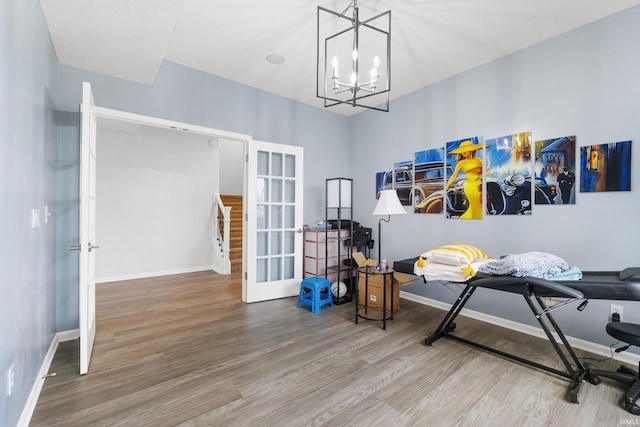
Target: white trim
70,335
30,406
153,274
155,121
598,349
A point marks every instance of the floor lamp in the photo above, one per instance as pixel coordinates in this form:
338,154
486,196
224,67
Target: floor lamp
388,204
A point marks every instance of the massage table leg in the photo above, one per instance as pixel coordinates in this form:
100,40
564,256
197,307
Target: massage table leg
447,325
541,312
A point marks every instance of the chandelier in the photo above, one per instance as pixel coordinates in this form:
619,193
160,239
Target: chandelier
354,56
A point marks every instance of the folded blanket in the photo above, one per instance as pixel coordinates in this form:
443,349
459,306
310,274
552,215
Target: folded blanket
535,264
574,273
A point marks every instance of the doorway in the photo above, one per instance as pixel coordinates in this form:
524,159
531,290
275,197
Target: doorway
156,186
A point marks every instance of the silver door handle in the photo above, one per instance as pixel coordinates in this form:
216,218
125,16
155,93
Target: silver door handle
299,230
75,247
92,246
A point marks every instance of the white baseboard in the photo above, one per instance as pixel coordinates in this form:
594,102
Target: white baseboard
70,335
30,406
598,349
152,274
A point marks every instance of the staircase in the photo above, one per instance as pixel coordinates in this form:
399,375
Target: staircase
235,235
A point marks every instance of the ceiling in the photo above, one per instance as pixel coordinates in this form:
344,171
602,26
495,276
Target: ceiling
431,40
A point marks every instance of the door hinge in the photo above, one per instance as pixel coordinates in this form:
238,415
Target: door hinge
245,275
246,158
246,217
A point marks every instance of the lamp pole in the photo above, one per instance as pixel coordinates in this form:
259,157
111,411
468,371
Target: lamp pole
380,236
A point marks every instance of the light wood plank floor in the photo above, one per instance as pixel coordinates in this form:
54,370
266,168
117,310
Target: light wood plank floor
184,350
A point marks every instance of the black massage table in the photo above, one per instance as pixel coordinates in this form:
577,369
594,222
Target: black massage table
621,286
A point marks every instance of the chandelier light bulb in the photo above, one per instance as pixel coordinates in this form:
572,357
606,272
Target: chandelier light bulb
354,55
376,61
354,78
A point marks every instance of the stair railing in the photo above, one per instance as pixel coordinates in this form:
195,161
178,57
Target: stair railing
222,224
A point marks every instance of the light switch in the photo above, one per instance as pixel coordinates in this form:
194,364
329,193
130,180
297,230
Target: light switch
35,218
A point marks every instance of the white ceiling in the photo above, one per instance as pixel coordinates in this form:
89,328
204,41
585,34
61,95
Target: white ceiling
431,40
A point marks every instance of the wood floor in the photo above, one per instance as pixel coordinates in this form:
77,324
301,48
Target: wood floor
184,350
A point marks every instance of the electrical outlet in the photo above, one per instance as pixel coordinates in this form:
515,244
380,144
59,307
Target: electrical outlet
615,309
10,380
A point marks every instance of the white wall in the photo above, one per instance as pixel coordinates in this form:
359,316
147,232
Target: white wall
232,167
154,201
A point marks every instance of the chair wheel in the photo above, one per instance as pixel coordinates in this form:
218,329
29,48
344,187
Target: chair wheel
632,407
593,379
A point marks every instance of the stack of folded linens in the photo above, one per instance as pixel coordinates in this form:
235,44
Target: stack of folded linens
451,263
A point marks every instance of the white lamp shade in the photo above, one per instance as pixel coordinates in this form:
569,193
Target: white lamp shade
339,193
389,204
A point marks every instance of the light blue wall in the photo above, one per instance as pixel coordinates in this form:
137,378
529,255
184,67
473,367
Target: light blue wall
583,83
186,95
27,181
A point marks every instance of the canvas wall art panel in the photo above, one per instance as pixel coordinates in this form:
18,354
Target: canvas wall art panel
605,167
555,168
428,184
463,189
509,174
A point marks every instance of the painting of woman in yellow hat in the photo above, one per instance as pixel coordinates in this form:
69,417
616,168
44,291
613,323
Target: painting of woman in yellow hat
468,166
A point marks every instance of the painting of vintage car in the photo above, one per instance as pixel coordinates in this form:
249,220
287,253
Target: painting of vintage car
510,196
414,184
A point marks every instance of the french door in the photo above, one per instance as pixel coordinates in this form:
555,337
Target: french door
87,276
273,261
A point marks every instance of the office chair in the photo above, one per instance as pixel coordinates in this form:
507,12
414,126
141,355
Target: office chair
628,333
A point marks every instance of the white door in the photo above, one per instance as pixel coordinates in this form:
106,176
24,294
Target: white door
273,261
87,285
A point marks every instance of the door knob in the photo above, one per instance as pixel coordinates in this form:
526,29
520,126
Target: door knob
75,247
92,246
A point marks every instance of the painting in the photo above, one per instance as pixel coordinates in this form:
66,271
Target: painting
605,167
381,178
508,174
463,189
555,166
403,181
428,180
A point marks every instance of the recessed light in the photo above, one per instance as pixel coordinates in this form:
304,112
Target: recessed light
275,58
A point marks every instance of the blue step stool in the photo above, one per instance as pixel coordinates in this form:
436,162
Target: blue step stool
316,292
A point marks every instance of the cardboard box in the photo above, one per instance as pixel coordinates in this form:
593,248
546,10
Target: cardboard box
374,297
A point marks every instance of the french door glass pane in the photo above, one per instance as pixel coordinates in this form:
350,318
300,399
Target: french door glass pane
262,273
289,242
290,191
276,193
263,243
289,216
263,163
276,216
262,191
263,216
276,243
276,268
290,166
276,166
289,267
